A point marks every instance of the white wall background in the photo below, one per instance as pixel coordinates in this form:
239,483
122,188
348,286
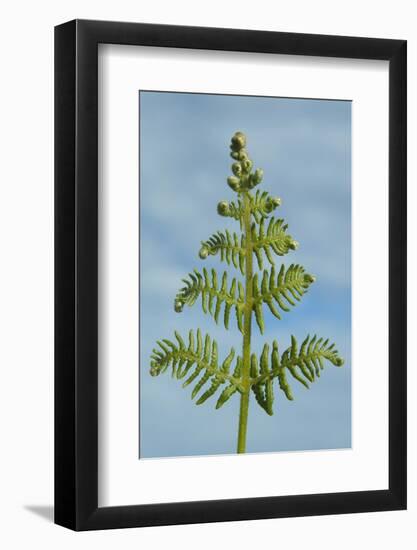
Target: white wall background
26,274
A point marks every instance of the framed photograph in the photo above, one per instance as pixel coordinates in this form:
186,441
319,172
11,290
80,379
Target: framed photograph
230,252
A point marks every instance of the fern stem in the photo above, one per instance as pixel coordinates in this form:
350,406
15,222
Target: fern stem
247,326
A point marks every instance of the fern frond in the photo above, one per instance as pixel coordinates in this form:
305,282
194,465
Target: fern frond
228,245
196,362
303,364
274,239
199,362
282,290
213,296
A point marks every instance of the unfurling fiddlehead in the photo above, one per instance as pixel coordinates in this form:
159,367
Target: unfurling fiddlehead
261,205
262,236
228,246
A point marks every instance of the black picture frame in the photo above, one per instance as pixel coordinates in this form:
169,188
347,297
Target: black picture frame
76,272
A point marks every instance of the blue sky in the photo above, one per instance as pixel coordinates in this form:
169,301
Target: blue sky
304,148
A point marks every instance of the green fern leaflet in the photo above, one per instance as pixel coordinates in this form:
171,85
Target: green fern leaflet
194,359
